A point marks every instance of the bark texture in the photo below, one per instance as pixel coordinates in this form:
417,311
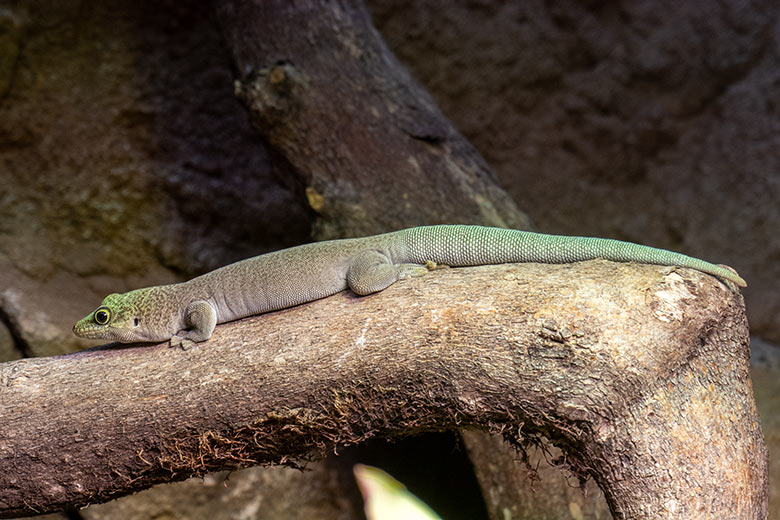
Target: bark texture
638,373
530,485
371,147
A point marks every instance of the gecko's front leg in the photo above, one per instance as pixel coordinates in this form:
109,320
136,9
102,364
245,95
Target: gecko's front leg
200,318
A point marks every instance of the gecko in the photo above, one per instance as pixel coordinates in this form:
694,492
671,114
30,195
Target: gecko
187,313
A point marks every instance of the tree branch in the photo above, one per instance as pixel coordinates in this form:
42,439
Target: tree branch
638,373
326,92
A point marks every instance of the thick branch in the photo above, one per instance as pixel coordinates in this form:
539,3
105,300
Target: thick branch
639,373
369,143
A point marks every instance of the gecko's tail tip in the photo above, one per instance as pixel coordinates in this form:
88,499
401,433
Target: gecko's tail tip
734,277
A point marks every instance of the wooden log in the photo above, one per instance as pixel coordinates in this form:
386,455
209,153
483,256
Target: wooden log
638,373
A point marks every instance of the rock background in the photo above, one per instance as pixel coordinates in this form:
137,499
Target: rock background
125,159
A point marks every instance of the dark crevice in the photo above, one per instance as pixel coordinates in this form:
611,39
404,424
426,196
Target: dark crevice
426,138
5,93
21,346
72,514
433,466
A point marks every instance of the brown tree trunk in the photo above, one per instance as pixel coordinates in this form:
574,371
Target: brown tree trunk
639,375
372,149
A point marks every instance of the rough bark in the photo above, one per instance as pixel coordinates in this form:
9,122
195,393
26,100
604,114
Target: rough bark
530,485
372,149
638,373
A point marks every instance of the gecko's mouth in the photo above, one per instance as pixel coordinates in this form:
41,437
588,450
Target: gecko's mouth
88,330
82,331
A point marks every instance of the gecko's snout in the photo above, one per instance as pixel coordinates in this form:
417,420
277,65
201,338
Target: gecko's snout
82,328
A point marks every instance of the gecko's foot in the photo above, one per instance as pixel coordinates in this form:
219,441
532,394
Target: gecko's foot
432,266
183,343
406,271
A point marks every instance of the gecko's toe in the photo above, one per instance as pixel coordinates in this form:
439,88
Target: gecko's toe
182,342
187,344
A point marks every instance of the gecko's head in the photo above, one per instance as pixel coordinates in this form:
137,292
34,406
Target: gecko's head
119,318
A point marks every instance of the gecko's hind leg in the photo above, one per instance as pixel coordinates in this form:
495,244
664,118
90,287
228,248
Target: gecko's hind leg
373,271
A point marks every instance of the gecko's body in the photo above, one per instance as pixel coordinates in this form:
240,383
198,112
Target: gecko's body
187,312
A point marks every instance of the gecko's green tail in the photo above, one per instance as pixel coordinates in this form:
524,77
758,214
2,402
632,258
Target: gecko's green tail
619,251
458,245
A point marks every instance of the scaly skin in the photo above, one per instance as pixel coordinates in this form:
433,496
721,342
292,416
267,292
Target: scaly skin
187,312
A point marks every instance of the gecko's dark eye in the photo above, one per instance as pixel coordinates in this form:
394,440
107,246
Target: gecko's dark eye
102,315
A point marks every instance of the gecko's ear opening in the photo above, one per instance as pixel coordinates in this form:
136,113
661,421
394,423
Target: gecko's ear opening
136,321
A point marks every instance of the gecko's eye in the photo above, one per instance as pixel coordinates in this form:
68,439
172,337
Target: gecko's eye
102,315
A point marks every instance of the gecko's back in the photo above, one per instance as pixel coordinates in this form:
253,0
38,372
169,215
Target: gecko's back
283,278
